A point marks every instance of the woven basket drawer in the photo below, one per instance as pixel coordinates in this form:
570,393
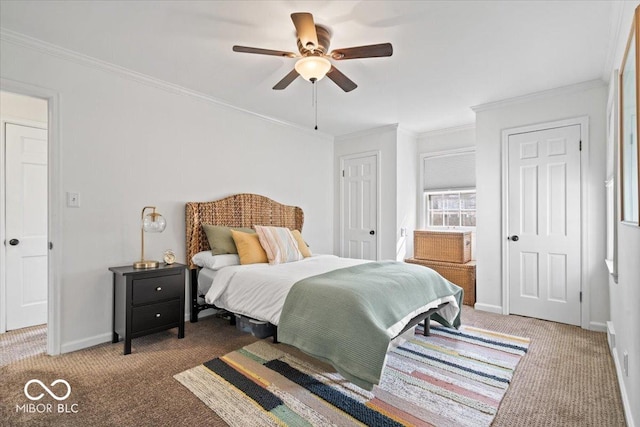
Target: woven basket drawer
447,246
463,275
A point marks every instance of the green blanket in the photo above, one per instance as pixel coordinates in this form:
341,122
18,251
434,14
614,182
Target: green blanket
343,316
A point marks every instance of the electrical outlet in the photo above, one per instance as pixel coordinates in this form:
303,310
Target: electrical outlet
625,363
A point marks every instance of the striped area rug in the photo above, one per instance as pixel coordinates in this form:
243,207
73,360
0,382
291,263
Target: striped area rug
451,378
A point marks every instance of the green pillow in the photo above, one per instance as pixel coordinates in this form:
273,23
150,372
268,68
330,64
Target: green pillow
220,240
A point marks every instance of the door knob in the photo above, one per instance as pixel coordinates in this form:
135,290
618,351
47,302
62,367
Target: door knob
514,238
14,242
372,232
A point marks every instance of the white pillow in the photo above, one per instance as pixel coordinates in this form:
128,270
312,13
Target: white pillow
279,244
215,262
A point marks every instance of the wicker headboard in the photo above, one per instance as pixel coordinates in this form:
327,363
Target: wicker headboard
240,210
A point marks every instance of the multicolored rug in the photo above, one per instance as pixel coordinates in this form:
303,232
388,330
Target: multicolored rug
451,378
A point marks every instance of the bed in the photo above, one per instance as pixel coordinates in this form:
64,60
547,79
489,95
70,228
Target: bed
240,210
295,297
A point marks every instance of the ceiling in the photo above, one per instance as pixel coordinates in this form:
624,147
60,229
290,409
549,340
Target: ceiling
448,55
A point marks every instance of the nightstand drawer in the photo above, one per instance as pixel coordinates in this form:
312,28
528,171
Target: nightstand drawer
157,288
155,316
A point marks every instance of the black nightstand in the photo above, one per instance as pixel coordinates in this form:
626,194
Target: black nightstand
146,301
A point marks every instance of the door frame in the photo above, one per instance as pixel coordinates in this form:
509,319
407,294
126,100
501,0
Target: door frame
583,122
378,155
54,207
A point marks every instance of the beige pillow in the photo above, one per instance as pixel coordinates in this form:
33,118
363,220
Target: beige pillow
302,245
279,244
249,249
220,240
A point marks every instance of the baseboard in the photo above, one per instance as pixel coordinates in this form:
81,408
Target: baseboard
85,343
611,337
497,309
598,326
623,391
99,339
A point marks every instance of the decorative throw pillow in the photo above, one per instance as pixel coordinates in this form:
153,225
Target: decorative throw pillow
220,240
249,248
279,244
302,245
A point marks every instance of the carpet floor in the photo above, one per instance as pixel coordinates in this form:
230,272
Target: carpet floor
22,343
567,378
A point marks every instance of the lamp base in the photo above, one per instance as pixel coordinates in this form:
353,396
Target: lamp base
145,264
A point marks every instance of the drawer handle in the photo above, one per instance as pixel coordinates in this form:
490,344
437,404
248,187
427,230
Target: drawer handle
158,289
157,314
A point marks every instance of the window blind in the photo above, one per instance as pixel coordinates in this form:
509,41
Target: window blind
450,171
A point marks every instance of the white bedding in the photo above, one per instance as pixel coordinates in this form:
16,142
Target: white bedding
259,290
205,279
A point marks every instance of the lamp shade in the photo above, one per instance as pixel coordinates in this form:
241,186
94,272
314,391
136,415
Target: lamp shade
154,223
313,68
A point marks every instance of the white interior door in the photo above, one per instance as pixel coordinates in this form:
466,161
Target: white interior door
359,207
26,226
544,224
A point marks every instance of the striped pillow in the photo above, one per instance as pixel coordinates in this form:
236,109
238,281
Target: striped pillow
279,244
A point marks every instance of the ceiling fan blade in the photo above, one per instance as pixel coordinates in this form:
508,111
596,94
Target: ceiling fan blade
306,29
369,51
259,51
345,83
286,81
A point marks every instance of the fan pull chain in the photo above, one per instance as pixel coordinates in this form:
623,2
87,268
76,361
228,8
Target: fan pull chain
315,100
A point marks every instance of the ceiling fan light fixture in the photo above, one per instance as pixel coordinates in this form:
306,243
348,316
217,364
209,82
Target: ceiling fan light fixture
313,68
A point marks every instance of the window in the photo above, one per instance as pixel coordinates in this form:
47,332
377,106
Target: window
451,208
449,181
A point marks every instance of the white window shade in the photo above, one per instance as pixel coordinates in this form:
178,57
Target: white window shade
450,171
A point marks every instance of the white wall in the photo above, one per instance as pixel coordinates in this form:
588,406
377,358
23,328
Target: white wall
588,99
125,144
406,200
625,300
624,295
447,139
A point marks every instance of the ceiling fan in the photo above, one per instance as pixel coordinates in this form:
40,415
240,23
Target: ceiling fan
313,45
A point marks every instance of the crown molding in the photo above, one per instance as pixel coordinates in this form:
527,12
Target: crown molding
563,90
444,131
367,132
41,46
409,132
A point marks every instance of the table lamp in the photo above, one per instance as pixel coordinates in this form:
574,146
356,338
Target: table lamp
151,223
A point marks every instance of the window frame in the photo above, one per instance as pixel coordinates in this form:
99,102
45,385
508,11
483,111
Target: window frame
427,211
